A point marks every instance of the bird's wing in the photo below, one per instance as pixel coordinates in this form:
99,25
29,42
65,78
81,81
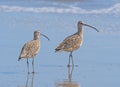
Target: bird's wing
69,42
29,49
23,51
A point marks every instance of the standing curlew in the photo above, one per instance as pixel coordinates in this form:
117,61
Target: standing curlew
73,42
31,49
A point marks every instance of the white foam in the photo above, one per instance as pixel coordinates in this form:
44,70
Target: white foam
115,9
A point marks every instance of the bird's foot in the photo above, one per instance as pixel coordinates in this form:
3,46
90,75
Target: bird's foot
33,72
28,72
72,65
68,65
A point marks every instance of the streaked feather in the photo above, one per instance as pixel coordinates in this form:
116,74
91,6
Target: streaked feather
30,49
70,43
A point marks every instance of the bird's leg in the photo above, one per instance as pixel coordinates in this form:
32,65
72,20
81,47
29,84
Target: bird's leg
70,56
33,65
69,61
28,66
72,59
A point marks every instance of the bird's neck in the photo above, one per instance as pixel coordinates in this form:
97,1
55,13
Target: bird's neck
36,37
80,30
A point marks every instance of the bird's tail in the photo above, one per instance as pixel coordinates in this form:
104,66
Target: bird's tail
19,58
57,49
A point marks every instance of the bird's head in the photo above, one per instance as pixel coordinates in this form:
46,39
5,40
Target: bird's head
80,24
37,35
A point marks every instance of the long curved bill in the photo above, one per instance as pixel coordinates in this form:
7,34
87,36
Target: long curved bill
91,27
44,36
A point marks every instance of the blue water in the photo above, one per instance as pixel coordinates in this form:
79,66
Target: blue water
97,59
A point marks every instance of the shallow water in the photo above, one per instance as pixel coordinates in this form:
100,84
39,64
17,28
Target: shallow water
97,60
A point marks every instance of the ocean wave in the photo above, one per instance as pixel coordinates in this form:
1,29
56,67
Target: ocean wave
115,9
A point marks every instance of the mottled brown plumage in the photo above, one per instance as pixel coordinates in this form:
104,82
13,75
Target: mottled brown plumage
31,49
73,42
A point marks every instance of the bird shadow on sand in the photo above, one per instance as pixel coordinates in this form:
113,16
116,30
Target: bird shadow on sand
69,82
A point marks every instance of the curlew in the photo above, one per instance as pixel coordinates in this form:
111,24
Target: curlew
31,49
74,41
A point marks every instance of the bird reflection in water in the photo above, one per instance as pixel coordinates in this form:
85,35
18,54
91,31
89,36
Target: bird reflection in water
30,77
69,82
29,81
